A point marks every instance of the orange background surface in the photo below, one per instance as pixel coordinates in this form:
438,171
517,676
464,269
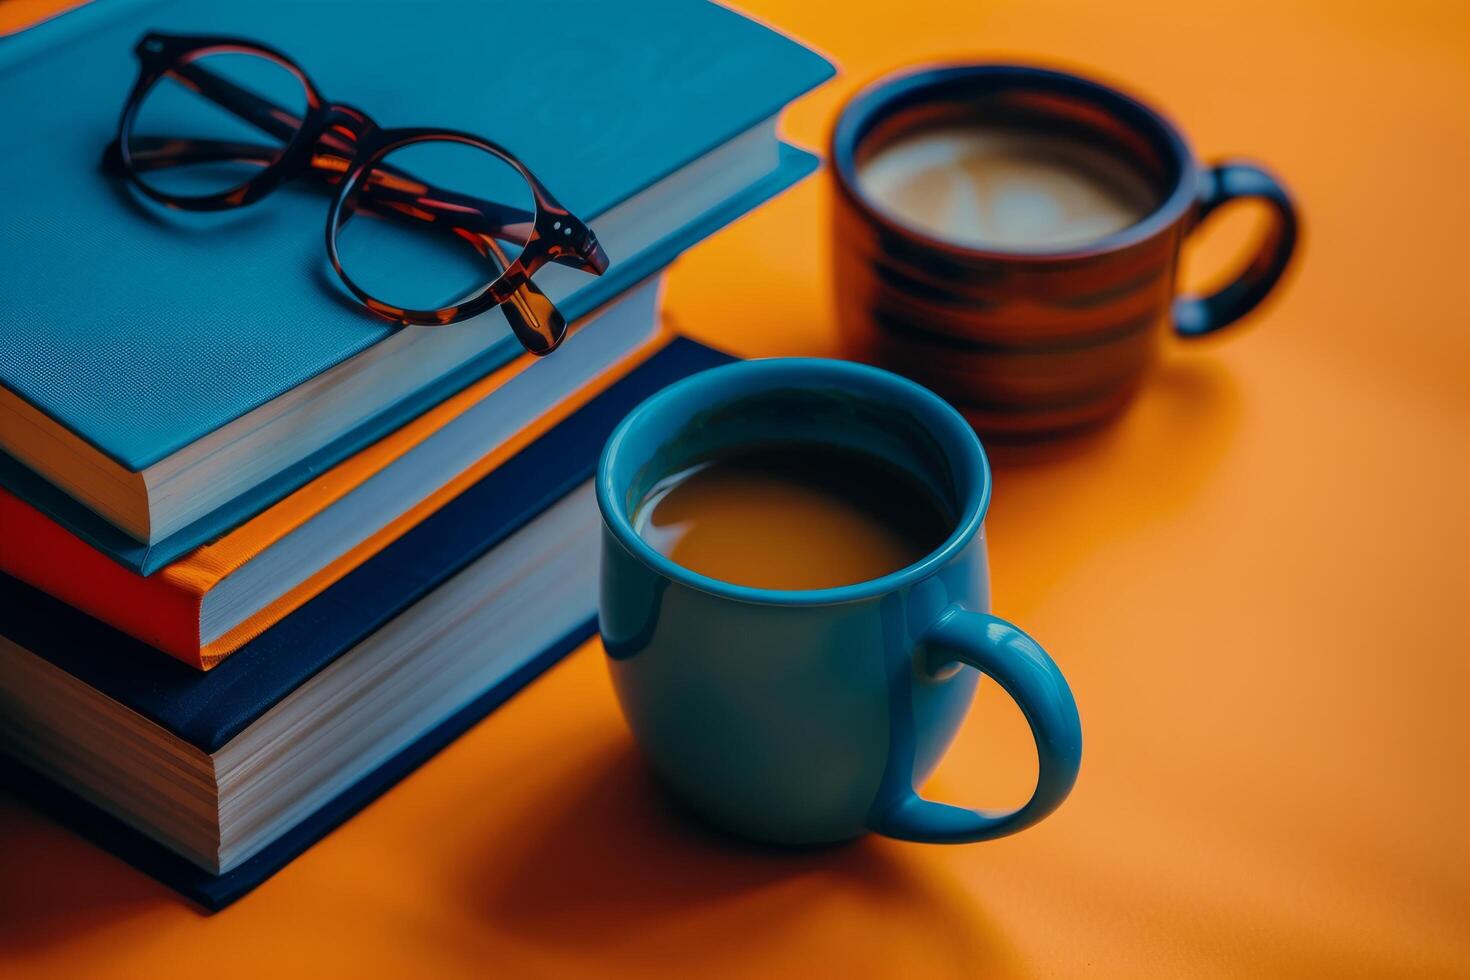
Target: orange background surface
1256,581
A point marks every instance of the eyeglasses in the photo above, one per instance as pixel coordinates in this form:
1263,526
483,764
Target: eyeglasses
427,226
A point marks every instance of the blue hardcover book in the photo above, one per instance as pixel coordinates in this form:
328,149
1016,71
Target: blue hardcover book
174,373
307,724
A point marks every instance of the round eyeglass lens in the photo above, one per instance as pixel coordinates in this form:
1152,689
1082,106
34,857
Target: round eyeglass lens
432,223
213,123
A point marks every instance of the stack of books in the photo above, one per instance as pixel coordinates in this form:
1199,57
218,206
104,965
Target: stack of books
261,553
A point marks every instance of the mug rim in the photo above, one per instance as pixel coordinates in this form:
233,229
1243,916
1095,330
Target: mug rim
958,441
869,101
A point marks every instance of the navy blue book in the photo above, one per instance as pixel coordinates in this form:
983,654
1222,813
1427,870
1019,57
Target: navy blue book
212,782
165,375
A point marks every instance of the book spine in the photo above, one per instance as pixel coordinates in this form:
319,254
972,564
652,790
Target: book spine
42,554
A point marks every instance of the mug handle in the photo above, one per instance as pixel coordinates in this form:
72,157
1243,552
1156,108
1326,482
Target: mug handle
1196,316
1025,671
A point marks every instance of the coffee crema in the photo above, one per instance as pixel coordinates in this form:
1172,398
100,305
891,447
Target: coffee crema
1006,187
793,517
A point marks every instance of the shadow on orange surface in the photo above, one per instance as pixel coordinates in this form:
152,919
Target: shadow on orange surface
1188,393
1057,500
56,885
615,868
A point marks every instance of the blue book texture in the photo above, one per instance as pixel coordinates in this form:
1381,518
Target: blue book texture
141,330
209,709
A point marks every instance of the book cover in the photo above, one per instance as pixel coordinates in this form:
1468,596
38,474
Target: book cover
155,328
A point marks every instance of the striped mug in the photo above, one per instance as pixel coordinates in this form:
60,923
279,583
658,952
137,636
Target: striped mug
1032,341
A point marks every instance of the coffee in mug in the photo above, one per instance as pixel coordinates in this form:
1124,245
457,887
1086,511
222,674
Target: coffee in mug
793,516
1006,187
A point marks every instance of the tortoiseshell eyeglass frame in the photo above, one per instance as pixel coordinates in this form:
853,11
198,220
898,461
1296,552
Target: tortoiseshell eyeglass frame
341,147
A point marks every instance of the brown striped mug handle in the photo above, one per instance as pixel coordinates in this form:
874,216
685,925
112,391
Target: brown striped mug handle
1234,180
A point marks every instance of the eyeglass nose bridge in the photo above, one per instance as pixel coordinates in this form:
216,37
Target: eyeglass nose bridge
348,122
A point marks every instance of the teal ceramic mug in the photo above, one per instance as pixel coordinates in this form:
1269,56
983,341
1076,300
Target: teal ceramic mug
810,716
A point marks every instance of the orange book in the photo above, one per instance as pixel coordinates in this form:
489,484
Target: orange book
171,609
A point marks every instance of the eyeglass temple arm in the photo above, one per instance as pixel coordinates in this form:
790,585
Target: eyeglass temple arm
409,198
534,319
532,316
257,110
412,198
